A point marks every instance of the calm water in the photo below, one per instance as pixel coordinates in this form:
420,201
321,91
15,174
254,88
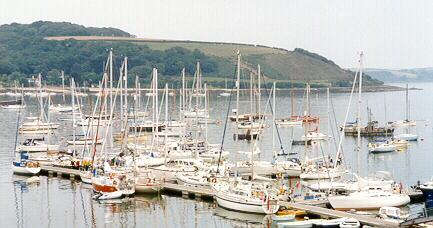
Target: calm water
54,202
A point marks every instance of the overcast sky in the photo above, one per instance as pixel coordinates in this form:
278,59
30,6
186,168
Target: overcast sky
392,33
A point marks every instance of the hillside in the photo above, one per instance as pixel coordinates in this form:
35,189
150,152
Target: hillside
48,47
402,75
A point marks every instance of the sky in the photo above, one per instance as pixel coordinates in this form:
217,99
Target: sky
391,33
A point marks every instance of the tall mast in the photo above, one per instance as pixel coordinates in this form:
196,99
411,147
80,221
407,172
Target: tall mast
359,108
155,87
259,90
121,90
111,79
206,112
73,108
273,120
166,113
238,78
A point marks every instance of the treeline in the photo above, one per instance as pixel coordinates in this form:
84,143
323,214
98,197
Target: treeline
25,53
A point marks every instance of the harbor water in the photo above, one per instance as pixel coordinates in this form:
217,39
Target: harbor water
59,202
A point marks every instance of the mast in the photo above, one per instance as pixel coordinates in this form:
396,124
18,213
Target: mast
259,90
238,78
273,121
251,96
73,109
40,98
407,103
63,87
121,90
156,108
166,114
359,108
182,98
111,78
206,116
198,87
126,87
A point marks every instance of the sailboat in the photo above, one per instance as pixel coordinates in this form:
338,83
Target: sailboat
366,199
406,122
381,147
24,166
119,180
322,167
196,110
62,108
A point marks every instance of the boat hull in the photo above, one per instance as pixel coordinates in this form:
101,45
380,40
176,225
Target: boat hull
250,207
344,203
20,170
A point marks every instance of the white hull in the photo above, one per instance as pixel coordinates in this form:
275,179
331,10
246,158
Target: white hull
250,207
289,123
407,137
25,170
368,200
86,177
143,188
13,107
184,180
382,148
403,123
321,175
315,136
37,148
109,195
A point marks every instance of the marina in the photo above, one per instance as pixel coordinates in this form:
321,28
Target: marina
244,114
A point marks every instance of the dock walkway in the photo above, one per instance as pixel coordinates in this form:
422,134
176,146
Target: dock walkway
205,192
324,212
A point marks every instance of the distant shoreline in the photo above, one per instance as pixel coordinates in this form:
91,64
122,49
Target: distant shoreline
382,88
